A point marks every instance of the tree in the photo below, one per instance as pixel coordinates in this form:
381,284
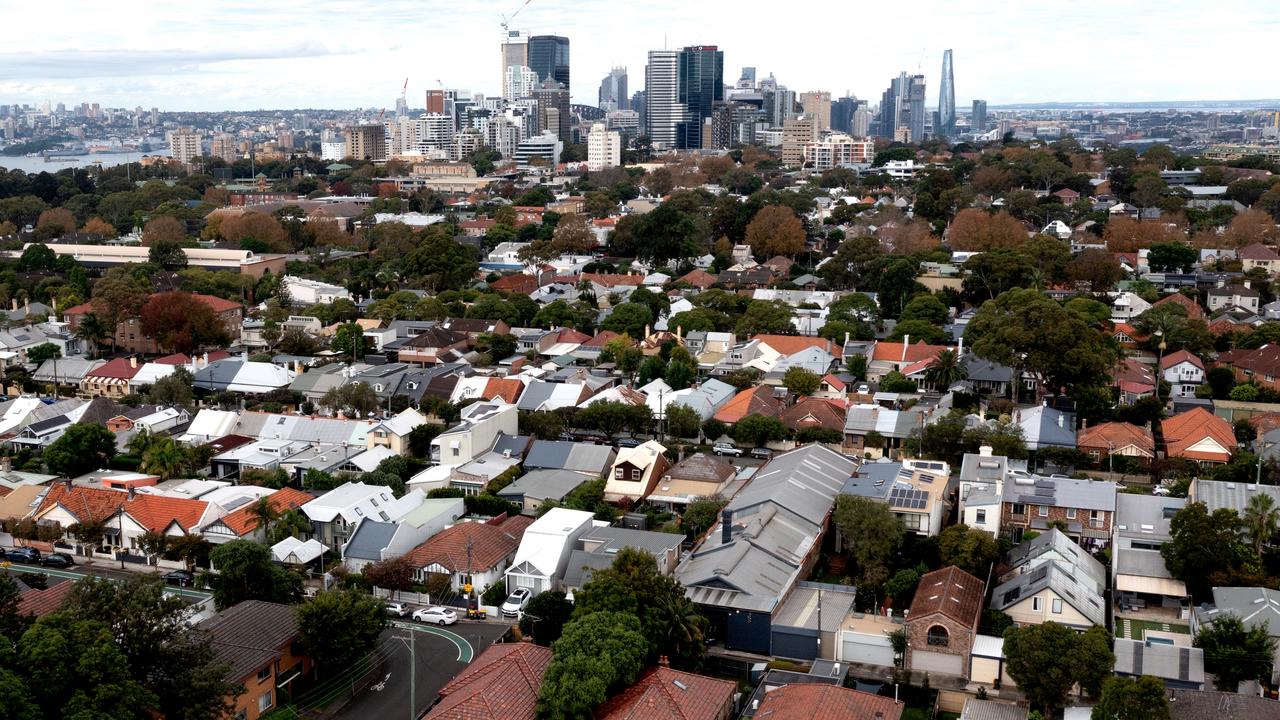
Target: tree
245,571
118,296
254,228
167,255
759,430
101,228
894,381
572,236
1234,653
82,448
775,230
1261,518
173,389
1203,547
631,319
871,533
349,338
440,263
165,458
945,370
354,400
164,654
669,233
967,548
12,623
1172,257
1126,698
339,627
164,230
55,222
977,230
595,656
42,352
181,322
926,307
545,616
75,669
38,257
768,317
392,573
701,514
800,381
1047,660
681,421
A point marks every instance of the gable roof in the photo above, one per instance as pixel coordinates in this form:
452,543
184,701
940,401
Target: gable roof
815,412
792,344
34,602
1184,430
85,503
699,278
1178,357
242,521
1117,435
951,592
811,701
248,635
489,544
665,694
503,682
1194,311
758,400
1070,583
118,369
158,512
894,352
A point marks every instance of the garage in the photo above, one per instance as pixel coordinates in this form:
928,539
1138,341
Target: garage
936,662
866,649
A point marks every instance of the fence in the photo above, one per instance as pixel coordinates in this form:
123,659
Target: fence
328,698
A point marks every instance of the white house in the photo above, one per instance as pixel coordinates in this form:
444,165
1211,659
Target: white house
335,515
545,549
1126,306
305,291
1183,371
377,540
475,434
981,493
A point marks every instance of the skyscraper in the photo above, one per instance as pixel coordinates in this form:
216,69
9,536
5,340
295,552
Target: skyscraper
514,52
946,99
549,57
553,104
184,144
613,90
817,104
663,111
978,122
902,109
842,114
700,87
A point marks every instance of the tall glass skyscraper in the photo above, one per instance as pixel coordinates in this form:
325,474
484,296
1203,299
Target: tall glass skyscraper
613,90
701,86
549,57
946,99
662,112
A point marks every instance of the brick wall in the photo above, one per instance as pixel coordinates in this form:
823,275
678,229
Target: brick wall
960,637
1031,513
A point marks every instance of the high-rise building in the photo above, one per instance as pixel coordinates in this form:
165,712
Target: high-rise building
817,104
701,86
842,114
435,101
224,146
663,111
796,135
613,91
514,51
748,79
553,103
861,125
367,142
946,126
549,57
838,150
520,82
978,121
604,148
184,145
402,106
902,109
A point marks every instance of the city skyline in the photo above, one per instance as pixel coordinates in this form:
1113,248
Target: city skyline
292,55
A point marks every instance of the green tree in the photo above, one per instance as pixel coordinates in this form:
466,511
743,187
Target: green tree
800,381
765,317
967,548
1126,698
701,514
245,571
926,307
894,381
945,370
870,532
631,319
1234,653
1261,518
349,339
82,448
1047,660
42,352
681,421
545,616
164,457
1172,257
1204,547
339,627
12,623
355,399
759,430
596,655
74,668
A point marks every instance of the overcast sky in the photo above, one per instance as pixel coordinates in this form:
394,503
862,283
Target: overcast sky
240,54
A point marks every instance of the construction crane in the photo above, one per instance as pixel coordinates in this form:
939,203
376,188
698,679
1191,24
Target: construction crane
507,20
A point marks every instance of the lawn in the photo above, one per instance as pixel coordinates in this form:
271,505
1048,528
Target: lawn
1138,628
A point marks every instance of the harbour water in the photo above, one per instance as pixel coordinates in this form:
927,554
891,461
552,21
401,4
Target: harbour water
38,164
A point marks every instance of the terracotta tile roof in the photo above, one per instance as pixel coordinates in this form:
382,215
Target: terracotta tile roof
157,513
1116,435
81,309
803,701
758,400
815,412
601,338
657,696
1263,361
38,603
217,304
1180,356
1257,251
611,279
892,352
569,335
85,503
117,369
699,278
490,545
1265,422
834,382
792,344
508,389
702,467
951,592
516,283
502,683
174,359
1184,430
242,521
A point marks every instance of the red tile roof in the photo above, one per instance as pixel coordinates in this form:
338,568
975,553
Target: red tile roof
85,503
490,545
38,603
117,369
893,352
517,283
1192,307
1180,356
508,389
802,701
815,412
569,335
792,344
501,684
656,696
174,359
1184,430
951,592
1117,435
758,400
216,303
699,278
241,521
602,338
157,513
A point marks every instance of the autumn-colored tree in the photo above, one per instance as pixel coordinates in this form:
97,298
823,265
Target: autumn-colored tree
56,222
909,237
775,230
1251,226
163,230
101,228
181,322
118,296
217,196
328,234
1098,268
991,180
257,226
573,236
976,229
1125,234
7,228
715,166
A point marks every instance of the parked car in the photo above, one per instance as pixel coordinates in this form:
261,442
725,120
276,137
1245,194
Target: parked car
23,555
627,442
181,578
61,560
515,602
436,615
726,449
1160,490
761,453
398,609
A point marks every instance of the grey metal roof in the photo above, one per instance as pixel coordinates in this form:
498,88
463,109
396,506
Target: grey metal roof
1136,658
874,480
1047,427
545,484
565,455
1062,492
601,546
1217,494
1254,606
1056,544
983,468
369,540
805,480
801,608
975,709
535,394
1146,516
1069,583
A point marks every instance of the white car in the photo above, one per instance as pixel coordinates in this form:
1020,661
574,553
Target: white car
726,449
436,615
515,602
398,609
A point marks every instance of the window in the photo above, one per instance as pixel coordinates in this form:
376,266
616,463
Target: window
264,702
635,473
981,518
620,474
1057,606
1019,509
1043,511
1071,513
1035,604
939,637
264,673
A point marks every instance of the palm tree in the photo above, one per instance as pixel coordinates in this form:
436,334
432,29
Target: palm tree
945,370
290,523
93,330
263,513
163,457
1262,518
686,628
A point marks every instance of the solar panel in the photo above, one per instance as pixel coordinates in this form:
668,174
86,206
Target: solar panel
909,498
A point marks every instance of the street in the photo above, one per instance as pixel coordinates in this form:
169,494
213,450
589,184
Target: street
441,653
82,571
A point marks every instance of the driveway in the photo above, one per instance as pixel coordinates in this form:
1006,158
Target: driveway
440,653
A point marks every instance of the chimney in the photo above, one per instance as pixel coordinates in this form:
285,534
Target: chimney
906,343
726,526
133,361
1246,285
846,337
960,352
663,661
984,451
27,302
647,331
6,463
132,492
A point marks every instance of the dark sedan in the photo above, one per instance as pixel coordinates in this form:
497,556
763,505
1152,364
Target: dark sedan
57,560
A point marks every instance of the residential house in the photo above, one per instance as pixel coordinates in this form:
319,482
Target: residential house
1126,306
915,490
1255,607
1194,311
141,514
502,682
757,400
1179,667
1134,379
1044,427
1183,371
816,413
666,694
65,505
544,551
474,327
110,379
536,487
470,553
1053,580
706,398
1236,496
257,642
1261,366
336,514
698,475
888,356
1086,507
375,540
597,548
241,375
1139,578
1116,438
1258,255
477,431
543,395
975,709
893,426
590,460
635,472
768,539
432,346
943,622
1214,705
1227,297
981,493
241,522
812,701
1199,435
65,371
393,433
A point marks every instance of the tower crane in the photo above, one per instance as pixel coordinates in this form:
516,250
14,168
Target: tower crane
507,20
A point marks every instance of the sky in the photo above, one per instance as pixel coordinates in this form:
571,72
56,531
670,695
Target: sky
281,54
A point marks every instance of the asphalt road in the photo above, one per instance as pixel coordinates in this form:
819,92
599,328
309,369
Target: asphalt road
80,571
441,653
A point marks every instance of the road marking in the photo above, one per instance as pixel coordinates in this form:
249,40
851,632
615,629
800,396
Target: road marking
465,651
76,576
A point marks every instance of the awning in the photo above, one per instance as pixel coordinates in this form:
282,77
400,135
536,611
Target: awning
1151,585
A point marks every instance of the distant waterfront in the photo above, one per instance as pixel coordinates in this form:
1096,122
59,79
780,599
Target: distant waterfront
37,164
